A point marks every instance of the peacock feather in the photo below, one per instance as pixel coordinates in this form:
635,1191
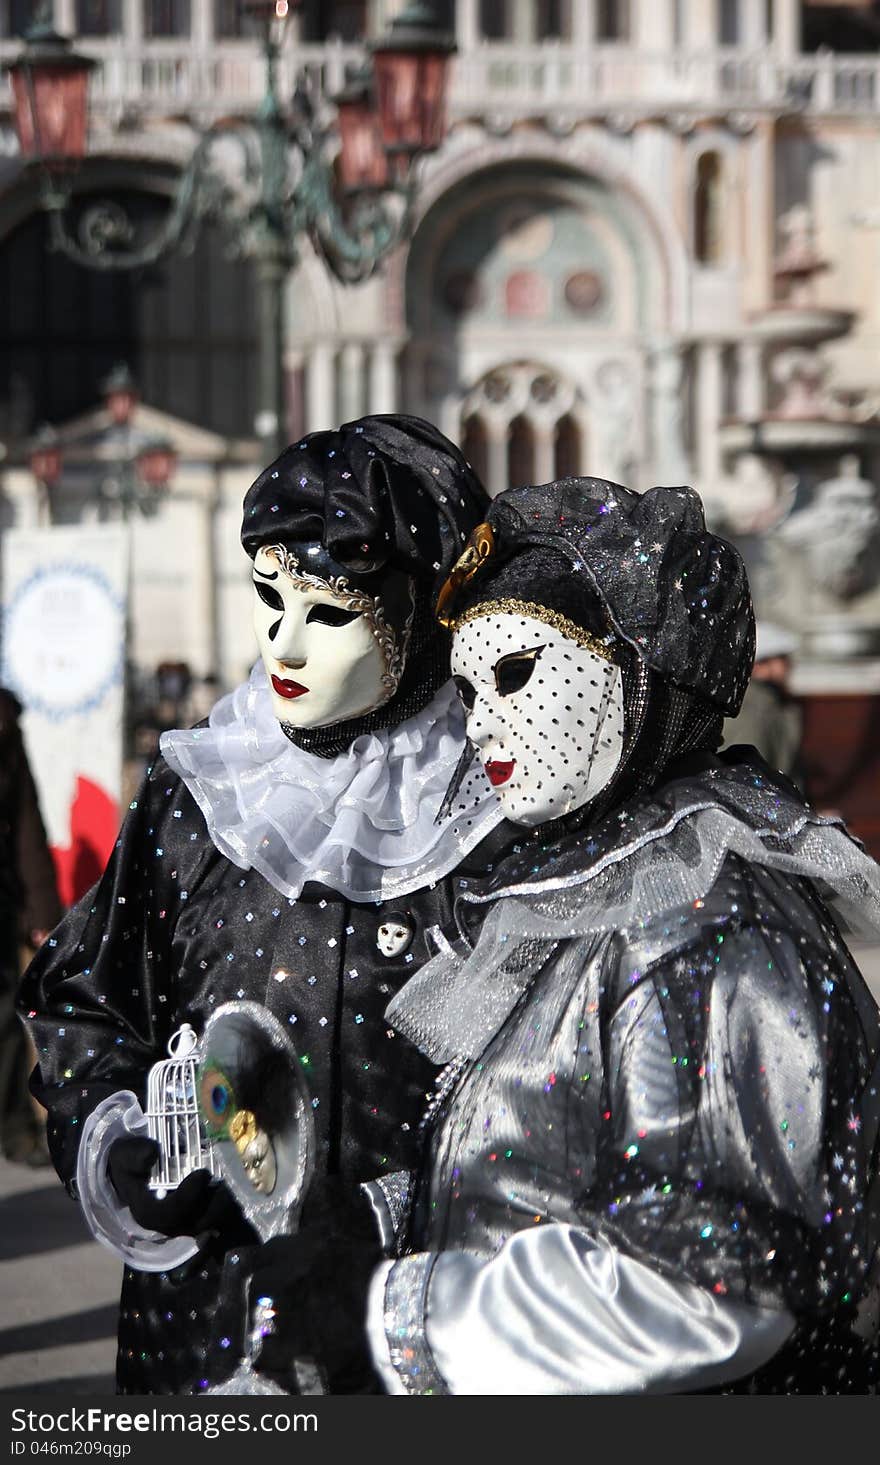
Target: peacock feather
217,1103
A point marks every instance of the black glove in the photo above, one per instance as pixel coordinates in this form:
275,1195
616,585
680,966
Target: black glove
200,1206
318,1280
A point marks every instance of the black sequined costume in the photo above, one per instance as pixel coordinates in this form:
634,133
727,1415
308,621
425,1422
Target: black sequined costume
172,931
174,928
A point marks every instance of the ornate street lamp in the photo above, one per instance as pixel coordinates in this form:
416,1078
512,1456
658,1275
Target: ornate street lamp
352,194
50,90
411,65
120,394
138,474
45,460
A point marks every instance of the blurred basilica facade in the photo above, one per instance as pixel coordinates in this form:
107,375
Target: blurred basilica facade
648,250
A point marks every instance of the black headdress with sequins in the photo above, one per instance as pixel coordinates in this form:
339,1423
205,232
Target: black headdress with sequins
643,567
374,502
643,574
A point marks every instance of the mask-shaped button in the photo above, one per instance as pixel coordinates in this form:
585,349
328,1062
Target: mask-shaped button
395,935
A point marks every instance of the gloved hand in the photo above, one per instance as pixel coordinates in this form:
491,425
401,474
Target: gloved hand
318,1280
200,1206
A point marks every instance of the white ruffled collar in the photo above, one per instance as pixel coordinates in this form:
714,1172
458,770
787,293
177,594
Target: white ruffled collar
362,823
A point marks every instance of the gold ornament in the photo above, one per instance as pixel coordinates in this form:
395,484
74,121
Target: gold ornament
243,1129
479,548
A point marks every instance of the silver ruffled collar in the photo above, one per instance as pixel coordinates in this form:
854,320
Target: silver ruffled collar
362,823
645,862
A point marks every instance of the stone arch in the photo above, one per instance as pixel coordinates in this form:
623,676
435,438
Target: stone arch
580,155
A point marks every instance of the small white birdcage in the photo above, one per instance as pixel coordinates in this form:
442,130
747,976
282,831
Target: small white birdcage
173,1119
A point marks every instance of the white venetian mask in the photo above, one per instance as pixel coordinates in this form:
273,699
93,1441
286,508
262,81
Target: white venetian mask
328,653
544,712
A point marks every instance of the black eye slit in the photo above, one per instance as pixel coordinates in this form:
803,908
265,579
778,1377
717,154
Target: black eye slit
466,692
331,615
512,672
268,595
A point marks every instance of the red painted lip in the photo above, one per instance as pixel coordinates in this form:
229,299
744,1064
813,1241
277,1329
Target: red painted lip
288,689
499,772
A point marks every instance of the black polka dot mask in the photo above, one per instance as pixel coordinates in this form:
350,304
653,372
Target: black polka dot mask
544,713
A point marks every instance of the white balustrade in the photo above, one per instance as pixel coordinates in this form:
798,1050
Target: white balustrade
227,78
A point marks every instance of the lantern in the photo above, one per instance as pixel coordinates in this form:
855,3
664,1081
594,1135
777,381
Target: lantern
156,462
120,394
50,92
411,65
362,162
45,459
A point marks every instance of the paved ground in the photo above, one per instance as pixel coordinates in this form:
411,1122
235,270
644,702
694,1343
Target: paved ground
59,1289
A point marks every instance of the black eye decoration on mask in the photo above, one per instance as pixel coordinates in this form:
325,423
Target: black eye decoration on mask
331,615
270,597
513,671
466,692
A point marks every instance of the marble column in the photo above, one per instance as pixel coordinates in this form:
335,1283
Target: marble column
652,26
668,457
351,381
132,22
752,23
523,15
467,25
750,404
65,17
383,377
545,458
786,28
700,27
496,434
709,400
320,387
583,24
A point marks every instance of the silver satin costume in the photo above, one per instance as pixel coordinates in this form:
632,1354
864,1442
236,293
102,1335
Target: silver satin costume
650,1169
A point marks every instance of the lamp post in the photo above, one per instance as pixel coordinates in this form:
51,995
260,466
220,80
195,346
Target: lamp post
137,472
349,190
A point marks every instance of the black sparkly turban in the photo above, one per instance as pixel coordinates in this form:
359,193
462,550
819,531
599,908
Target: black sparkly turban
383,493
640,566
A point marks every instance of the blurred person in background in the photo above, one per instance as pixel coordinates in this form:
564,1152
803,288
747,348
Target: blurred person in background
29,908
770,718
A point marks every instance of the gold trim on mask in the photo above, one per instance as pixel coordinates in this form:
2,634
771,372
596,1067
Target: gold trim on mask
479,548
508,606
369,606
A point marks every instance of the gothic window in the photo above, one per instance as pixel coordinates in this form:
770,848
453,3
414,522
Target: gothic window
520,453
98,17
707,209
166,17
612,20
566,448
728,22
475,446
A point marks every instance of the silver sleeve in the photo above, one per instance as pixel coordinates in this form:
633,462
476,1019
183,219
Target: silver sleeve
557,1311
